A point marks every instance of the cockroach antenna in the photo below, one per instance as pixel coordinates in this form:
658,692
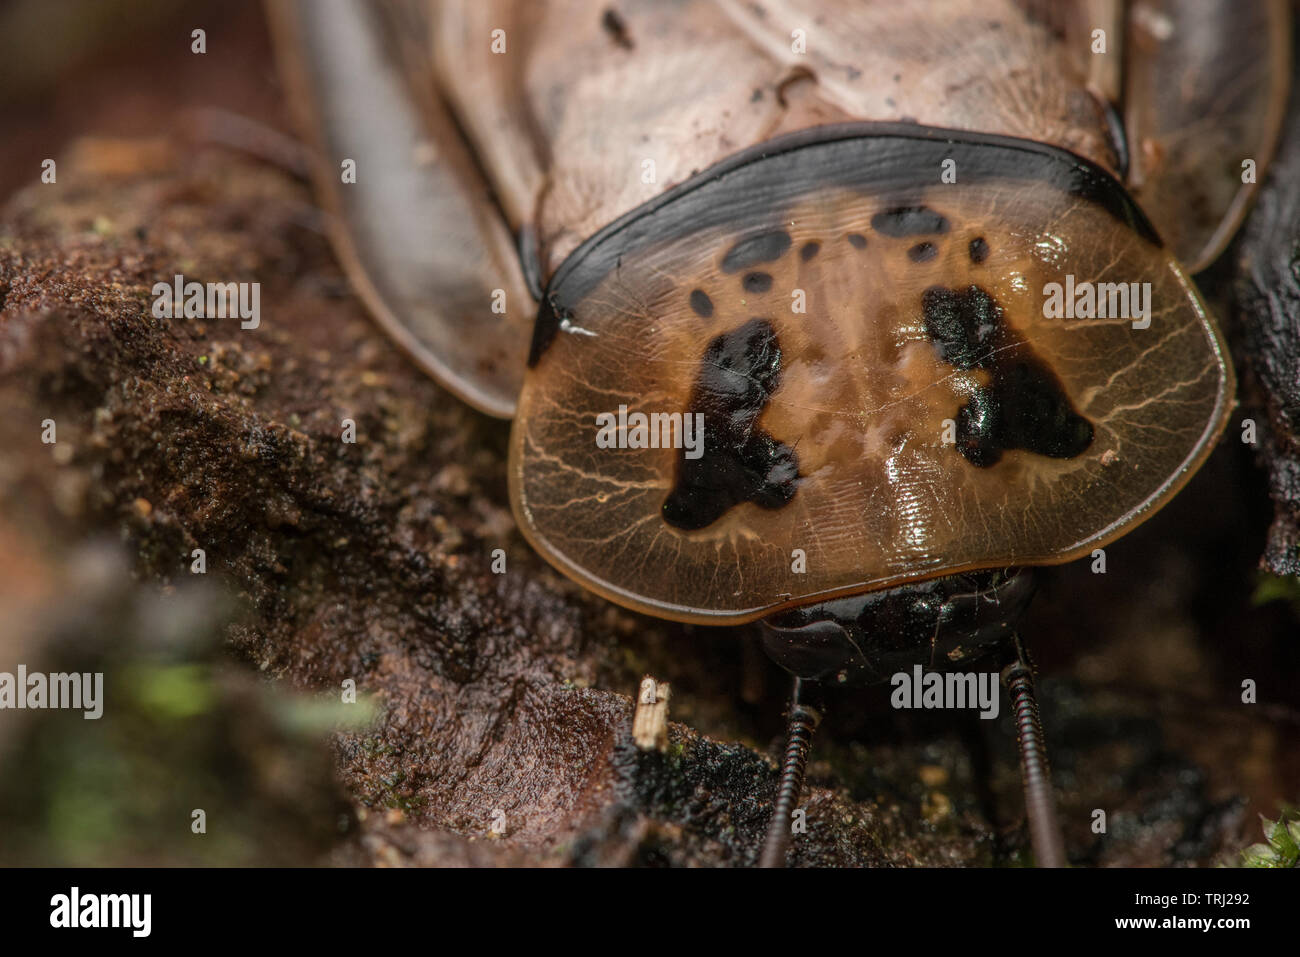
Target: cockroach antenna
803,720
1040,802
805,714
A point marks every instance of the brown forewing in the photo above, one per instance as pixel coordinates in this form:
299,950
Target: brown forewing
421,242
1205,88
587,92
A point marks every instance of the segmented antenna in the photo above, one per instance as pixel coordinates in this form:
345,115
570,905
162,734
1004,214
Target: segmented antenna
1040,802
803,722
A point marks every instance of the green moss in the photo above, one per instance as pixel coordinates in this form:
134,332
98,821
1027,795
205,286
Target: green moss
172,692
1282,847
409,804
312,716
1270,588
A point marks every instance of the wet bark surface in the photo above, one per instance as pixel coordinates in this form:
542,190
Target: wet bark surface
1268,292
493,725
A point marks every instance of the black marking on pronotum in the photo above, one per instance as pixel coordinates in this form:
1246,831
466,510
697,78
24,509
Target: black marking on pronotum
529,262
900,222
809,250
757,282
741,463
1024,406
979,249
763,248
740,193
1117,133
922,252
857,241
549,316
701,303
616,28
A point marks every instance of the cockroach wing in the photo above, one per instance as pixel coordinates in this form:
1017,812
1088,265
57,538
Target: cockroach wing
1202,86
581,110
1012,67
412,220
819,368
1205,87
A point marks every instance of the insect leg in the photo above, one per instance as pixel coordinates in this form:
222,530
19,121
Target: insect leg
803,721
1040,803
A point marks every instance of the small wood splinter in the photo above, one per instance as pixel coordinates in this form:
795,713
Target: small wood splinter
650,723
